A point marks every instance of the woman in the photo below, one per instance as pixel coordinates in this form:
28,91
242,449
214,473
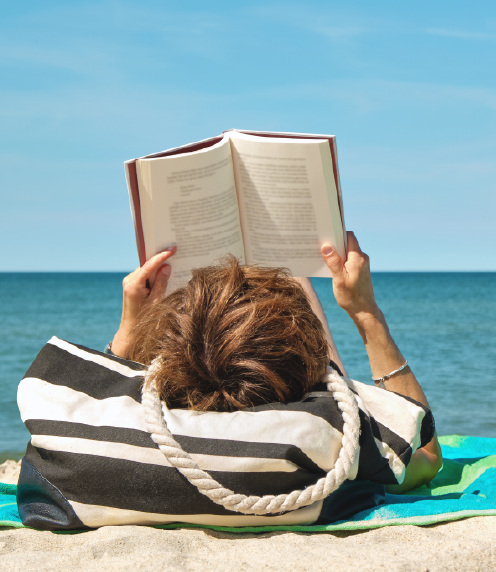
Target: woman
233,338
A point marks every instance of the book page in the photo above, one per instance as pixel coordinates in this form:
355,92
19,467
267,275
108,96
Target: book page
190,201
288,202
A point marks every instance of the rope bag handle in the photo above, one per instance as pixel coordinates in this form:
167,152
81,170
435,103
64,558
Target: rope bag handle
268,504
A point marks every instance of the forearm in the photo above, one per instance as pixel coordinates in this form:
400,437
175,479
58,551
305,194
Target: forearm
422,468
122,342
385,357
319,312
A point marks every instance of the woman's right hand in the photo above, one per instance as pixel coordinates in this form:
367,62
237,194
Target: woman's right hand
351,281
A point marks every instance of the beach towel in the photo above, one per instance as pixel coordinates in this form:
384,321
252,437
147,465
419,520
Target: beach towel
465,487
94,456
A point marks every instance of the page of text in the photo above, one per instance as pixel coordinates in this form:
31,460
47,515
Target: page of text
288,202
190,201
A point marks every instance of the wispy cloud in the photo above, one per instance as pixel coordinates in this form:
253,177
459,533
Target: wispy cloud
460,34
424,92
346,26
368,95
104,41
336,26
340,34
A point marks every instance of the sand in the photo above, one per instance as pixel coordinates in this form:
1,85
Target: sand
462,545
9,472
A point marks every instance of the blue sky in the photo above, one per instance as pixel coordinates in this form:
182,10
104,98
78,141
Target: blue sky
409,90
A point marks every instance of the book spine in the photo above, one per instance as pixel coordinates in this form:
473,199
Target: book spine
184,149
134,201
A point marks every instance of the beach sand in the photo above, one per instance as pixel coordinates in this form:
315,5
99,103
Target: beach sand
462,545
9,472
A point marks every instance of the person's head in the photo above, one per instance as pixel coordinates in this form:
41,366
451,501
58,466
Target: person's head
233,337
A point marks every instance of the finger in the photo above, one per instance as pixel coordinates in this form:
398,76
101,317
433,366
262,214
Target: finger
333,260
353,246
169,252
356,257
161,280
151,266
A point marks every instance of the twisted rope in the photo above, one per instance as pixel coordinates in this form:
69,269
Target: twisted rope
209,487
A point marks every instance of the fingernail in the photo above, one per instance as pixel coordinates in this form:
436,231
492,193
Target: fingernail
166,270
327,250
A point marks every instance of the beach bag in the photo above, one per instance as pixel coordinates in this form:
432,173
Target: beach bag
105,451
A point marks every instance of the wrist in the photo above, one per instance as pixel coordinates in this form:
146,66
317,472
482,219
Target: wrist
122,342
368,317
119,349
371,325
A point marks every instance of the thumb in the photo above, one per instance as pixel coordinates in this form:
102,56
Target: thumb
333,260
161,281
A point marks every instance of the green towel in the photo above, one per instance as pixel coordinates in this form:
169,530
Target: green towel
465,486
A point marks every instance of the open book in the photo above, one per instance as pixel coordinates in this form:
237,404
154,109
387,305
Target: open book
267,198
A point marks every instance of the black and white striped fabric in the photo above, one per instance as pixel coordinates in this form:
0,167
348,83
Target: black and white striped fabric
91,461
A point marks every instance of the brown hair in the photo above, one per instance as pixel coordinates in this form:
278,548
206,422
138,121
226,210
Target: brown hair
234,337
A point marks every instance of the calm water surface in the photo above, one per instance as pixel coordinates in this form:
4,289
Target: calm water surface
444,323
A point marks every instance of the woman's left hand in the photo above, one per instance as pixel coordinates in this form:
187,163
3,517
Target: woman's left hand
137,297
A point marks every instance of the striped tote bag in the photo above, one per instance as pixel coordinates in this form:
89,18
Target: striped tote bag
93,458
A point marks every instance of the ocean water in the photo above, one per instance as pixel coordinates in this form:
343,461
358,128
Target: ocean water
444,323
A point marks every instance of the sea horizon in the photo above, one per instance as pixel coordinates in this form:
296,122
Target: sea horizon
129,271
